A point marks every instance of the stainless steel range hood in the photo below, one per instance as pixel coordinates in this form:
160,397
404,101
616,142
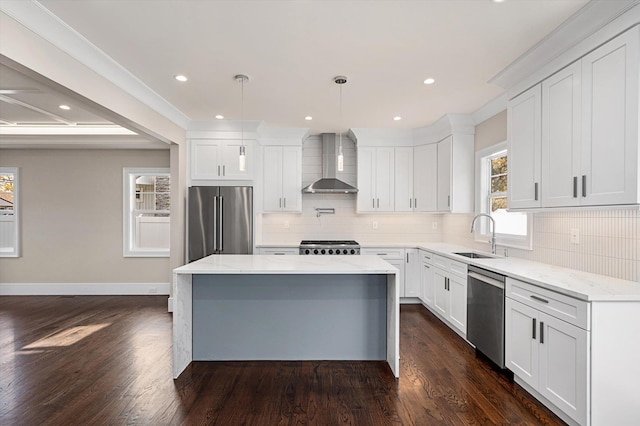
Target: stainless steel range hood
329,184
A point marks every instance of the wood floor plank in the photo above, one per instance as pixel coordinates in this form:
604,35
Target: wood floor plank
121,374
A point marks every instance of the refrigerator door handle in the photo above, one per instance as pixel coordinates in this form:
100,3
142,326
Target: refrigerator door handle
215,223
221,224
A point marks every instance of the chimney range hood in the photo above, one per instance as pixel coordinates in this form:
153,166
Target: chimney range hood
329,184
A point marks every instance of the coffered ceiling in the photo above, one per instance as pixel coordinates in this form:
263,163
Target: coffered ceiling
291,50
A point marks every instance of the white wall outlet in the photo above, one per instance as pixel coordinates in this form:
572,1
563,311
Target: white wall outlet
575,236
286,224
434,225
153,290
375,225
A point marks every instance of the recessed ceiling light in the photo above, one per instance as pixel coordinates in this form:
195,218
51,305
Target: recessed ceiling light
497,1
429,81
65,107
397,118
308,118
219,117
181,77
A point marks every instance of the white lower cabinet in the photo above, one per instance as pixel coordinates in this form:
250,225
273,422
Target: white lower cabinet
394,256
412,273
450,292
426,278
282,251
547,353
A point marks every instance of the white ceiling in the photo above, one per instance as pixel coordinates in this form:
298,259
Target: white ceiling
291,50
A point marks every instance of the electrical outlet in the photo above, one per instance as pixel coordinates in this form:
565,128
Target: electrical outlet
575,236
153,290
286,224
375,225
434,225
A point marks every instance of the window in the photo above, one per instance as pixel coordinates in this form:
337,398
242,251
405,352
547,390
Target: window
9,212
146,212
513,229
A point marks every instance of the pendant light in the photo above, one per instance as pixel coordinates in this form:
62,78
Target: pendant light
242,159
340,80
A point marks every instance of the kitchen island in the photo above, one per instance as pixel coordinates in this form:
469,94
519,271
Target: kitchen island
259,307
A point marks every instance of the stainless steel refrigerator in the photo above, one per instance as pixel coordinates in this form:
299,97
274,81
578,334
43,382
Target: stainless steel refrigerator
220,221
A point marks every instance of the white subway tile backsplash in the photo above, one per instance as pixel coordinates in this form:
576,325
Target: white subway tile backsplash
609,240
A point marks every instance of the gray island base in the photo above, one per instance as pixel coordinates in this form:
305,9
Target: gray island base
250,307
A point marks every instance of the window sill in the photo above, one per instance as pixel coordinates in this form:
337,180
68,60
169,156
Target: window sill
505,242
147,254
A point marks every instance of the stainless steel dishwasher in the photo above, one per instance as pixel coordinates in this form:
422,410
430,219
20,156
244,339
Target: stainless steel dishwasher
485,313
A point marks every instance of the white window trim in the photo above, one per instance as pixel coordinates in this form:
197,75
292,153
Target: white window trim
16,211
128,189
482,234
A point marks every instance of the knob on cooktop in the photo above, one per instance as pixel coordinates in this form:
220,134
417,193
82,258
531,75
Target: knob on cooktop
315,251
323,251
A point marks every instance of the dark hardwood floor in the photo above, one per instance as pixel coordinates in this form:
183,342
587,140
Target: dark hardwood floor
90,360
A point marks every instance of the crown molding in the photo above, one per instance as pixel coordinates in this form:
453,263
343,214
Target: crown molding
79,142
594,24
491,108
38,19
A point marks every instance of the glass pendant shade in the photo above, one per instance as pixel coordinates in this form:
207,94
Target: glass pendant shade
242,164
340,158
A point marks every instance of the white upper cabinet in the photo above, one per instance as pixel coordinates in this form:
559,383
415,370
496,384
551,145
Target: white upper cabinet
376,179
610,88
455,174
282,179
561,106
425,178
216,159
523,147
403,184
573,139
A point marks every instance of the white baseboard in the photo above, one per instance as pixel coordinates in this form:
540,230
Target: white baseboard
83,289
170,304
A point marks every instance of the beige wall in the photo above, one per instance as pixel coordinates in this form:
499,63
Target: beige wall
491,131
71,216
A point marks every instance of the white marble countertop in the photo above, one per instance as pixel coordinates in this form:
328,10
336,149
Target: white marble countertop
268,264
578,284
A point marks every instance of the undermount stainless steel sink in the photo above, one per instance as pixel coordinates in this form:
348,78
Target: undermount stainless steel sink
474,255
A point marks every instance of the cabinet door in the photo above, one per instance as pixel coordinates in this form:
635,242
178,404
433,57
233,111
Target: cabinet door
458,303
427,281
440,293
610,122
403,193
231,163
524,140
292,179
425,178
561,105
444,175
384,179
563,366
412,274
206,156
272,196
399,263
366,179
521,341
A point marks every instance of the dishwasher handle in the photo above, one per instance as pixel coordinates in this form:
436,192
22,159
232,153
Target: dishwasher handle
487,280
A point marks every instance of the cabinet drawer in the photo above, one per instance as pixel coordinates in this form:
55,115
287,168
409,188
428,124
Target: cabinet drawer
558,305
279,250
384,252
426,257
451,266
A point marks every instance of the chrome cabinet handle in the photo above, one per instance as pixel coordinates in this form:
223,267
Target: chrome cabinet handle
535,190
373,203
584,186
407,257
382,254
415,203
448,200
280,202
410,203
215,223
285,202
541,332
575,187
223,170
218,169
378,202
